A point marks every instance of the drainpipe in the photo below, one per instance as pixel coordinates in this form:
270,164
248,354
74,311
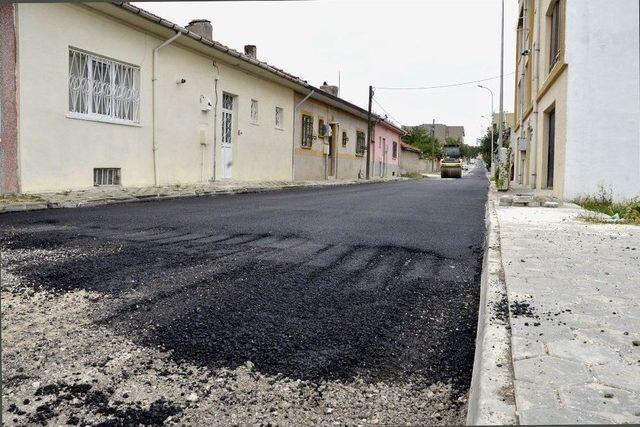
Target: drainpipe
533,146
293,138
525,31
154,108
215,121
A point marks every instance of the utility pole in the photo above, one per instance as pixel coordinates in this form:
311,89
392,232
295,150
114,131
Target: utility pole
501,115
368,147
433,146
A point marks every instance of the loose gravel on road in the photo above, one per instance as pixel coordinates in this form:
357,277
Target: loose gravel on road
347,305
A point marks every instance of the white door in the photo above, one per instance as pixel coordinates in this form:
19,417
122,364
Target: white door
226,148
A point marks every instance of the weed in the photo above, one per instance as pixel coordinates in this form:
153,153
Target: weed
628,211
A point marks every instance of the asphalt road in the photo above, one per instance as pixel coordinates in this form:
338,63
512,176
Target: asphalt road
378,282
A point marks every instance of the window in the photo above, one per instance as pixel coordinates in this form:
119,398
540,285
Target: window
554,45
254,111
360,143
320,128
106,176
104,89
307,130
379,143
279,112
394,150
345,139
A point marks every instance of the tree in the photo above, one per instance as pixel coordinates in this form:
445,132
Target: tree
485,143
419,138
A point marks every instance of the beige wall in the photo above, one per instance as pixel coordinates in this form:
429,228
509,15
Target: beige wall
58,152
310,162
260,151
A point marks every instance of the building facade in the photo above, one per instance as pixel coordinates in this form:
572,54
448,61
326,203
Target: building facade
443,132
577,102
109,94
385,150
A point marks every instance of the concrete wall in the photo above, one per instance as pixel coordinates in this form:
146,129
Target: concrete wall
410,162
603,100
383,164
58,152
9,178
310,162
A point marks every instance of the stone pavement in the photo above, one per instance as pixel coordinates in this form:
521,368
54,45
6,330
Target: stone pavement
574,309
114,194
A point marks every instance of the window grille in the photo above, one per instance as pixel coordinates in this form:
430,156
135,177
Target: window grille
345,139
360,143
320,128
102,88
254,111
227,118
106,176
279,112
394,150
554,45
307,130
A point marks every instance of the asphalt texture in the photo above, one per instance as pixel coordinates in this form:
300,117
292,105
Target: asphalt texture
377,282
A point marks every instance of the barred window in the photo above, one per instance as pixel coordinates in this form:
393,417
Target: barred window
307,130
394,150
345,139
106,176
360,146
254,111
102,88
279,112
554,43
320,128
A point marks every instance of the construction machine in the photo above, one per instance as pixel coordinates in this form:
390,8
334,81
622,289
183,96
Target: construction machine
451,163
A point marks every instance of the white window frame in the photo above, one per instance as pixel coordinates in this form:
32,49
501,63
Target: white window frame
279,118
254,112
80,86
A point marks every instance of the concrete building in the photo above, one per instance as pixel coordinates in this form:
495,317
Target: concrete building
507,118
577,102
329,137
385,150
442,131
109,94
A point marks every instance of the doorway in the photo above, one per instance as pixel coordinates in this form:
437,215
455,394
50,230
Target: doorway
332,151
226,147
551,147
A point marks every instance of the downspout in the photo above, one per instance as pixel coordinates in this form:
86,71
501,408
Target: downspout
215,121
534,96
525,30
154,107
293,138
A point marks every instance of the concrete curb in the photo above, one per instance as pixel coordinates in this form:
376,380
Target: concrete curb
163,194
491,395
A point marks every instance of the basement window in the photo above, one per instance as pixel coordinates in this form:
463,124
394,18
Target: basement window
106,176
103,89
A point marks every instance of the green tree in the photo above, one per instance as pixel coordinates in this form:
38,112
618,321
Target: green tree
419,138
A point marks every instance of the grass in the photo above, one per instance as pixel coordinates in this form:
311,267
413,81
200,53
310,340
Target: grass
18,198
628,211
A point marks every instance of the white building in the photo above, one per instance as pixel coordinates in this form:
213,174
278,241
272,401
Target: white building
578,97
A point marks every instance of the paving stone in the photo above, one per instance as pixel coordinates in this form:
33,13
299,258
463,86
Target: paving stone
551,204
582,351
551,416
622,375
524,347
618,404
550,370
529,395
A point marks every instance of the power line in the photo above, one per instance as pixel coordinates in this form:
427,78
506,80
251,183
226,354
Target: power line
443,86
388,114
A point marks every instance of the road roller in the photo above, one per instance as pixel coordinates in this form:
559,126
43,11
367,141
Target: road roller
451,163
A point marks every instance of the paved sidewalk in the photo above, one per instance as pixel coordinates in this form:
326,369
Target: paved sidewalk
107,195
574,298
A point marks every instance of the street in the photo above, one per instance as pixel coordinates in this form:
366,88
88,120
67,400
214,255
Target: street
347,304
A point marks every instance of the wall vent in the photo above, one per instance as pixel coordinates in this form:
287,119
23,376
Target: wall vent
106,176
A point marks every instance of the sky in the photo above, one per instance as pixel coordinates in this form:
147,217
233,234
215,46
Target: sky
383,43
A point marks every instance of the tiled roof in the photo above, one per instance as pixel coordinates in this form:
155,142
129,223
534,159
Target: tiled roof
225,49
408,147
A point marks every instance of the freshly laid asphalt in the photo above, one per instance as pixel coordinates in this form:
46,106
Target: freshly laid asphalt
379,282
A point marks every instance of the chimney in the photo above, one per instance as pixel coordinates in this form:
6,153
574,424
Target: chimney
333,90
201,27
251,51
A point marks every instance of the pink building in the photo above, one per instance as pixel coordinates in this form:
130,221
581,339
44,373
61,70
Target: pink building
385,150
